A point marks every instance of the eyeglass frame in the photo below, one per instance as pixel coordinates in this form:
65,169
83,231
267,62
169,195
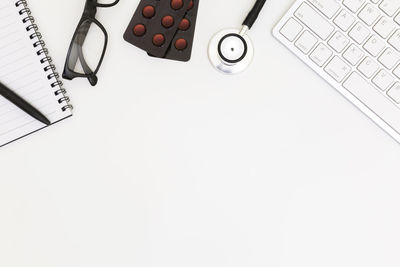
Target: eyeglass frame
89,14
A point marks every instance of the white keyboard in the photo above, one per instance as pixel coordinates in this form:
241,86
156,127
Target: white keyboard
355,46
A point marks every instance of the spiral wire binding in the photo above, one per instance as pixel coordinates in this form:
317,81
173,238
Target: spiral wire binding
40,44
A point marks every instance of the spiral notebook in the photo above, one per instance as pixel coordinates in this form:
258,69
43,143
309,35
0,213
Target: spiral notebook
27,69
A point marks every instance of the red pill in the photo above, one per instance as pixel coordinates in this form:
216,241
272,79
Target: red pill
158,39
180,44
176,4
184,24
139,30
148,12
167,21
190,5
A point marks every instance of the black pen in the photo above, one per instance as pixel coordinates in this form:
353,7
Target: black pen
22,104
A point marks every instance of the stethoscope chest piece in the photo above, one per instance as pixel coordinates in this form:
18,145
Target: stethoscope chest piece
230,51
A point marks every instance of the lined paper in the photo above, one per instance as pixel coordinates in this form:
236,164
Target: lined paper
22,72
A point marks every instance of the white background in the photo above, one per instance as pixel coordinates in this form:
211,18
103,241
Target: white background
172,164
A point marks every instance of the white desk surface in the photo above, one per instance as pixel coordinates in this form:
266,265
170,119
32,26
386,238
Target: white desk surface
173,164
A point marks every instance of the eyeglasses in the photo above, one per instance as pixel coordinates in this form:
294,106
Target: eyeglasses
88,45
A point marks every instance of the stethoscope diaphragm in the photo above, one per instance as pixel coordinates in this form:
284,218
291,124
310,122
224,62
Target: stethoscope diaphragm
232,48
230,52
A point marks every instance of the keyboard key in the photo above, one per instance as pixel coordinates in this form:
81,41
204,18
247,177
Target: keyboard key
394,92
353,5
338,42
384,27
390,6
306,42
397,19
291,29
337,69
396,72
383,80
359,33
389,58
314,21
327,7
368,67
353,55
374,45
344,20
321,54
373,99
369,14
395,40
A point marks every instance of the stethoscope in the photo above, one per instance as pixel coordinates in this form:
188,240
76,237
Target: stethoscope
231,50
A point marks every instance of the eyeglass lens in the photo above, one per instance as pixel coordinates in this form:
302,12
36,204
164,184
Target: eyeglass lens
87,48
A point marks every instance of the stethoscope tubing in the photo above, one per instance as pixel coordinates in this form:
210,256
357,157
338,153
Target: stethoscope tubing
254,13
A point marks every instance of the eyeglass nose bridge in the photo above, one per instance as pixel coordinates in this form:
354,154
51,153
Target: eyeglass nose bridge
91,5
95,3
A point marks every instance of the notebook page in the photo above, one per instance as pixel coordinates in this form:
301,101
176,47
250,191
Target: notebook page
22,72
